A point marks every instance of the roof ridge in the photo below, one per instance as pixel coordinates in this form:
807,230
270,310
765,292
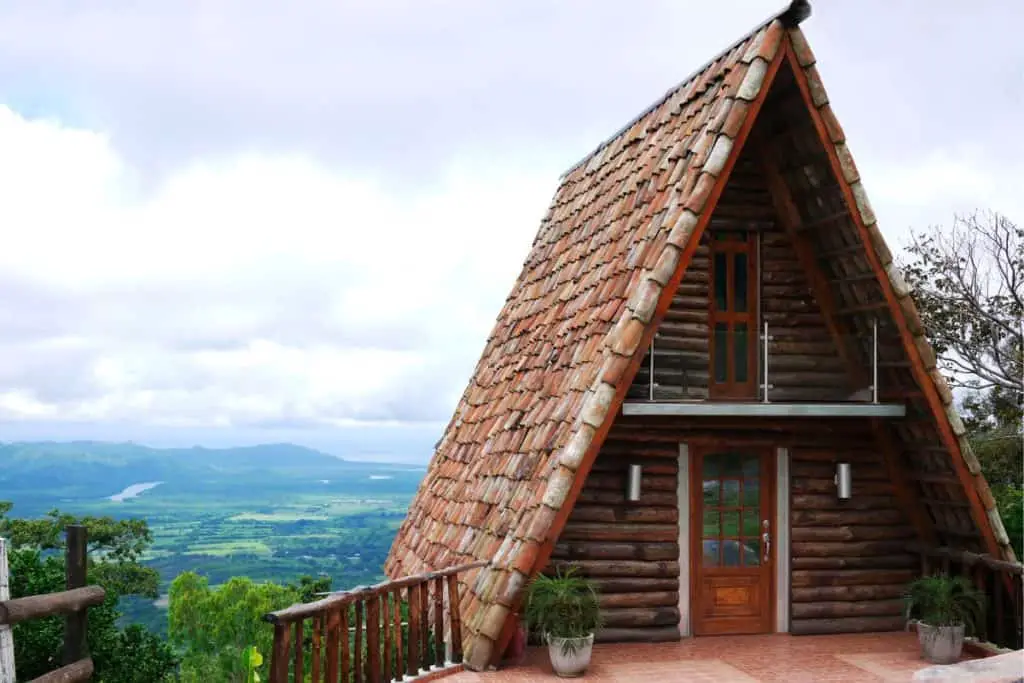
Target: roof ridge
791,16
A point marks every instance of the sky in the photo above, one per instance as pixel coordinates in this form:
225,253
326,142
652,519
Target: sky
242,221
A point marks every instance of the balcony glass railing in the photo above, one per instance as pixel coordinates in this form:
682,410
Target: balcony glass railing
782,363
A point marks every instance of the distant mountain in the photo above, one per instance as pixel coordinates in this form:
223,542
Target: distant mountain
83,468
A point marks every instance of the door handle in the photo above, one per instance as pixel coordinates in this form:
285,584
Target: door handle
767,539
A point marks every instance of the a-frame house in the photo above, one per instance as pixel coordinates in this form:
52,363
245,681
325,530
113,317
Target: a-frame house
709,298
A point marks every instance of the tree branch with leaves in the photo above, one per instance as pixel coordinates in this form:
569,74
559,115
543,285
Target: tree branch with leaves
968,283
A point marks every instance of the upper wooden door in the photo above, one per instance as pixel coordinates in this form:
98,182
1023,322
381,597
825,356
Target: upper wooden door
732,315
732,542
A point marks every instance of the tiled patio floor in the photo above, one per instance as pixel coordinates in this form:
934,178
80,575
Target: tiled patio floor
871,657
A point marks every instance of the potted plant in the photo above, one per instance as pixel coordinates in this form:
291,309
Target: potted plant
564,610
945,607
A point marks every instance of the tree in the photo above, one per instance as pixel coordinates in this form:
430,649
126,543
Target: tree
213,627
969,289
131,655
115,546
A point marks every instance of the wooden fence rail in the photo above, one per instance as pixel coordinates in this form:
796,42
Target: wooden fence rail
1001,581
371,634
73,603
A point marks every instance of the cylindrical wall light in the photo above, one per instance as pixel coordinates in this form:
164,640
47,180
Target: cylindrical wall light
633,483
844,481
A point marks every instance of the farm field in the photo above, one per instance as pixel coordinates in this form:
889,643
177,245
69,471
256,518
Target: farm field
326,517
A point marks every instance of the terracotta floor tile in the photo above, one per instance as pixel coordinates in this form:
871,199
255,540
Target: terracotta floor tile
875,657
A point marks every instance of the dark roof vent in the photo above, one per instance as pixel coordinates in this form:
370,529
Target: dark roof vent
797,11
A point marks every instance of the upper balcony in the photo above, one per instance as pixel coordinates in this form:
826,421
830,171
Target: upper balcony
725,369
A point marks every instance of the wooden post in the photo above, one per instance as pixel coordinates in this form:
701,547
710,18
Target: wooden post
373,639
75,624
299,651
279,654
454,617
316,656
439,621
413,660
6,638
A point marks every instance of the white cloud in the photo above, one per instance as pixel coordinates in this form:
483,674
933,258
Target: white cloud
248,289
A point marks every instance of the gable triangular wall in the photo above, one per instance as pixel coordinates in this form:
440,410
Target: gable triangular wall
611,260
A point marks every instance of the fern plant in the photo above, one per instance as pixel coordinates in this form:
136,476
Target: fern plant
563,606
942,600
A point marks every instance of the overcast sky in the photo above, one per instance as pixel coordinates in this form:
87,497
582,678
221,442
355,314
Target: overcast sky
250,220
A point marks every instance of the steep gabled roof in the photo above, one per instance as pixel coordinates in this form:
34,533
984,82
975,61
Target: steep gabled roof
609,254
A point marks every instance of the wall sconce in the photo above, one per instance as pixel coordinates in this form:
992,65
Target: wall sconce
633,483
844,481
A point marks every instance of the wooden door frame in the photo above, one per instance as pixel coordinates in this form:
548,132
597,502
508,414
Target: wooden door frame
696,451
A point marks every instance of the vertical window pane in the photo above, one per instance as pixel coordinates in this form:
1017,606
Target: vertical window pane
739,278
731,524
751,466
711,492
731,464
751,553
751,492
730,493
721,352
709,551
712,527
730,553
740,348
721,282
751,523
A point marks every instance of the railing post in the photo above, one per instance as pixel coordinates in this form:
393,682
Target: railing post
765,362
75,624
279,654
455,617
650,383
6,638
874,360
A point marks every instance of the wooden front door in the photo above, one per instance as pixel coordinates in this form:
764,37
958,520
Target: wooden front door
732,551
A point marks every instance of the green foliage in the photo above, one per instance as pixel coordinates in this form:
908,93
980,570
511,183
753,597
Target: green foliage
562,606
132,655
212,627
1011,509
941,600
115,546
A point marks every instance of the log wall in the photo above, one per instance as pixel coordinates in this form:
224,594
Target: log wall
803,362
630,550
849,558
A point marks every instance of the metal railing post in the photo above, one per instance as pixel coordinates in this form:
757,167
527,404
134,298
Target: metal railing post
650,381
765,362
874,360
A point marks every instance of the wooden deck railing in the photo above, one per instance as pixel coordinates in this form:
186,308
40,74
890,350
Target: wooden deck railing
1001,582
73,602
371,634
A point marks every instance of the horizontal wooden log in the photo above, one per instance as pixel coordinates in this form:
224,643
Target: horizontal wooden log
619,464
850,533
648,498
896,561
50,604
813,627
651,599
861,487
77,672
847,593
649,533
865,471
640,617
815,501
851,577
841,609
849,549
590,550
805,518
655,634
608,585
611,514
613,448
607,480
625,568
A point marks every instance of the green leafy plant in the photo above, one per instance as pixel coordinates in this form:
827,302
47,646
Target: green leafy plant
942,600
251,661
563,606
